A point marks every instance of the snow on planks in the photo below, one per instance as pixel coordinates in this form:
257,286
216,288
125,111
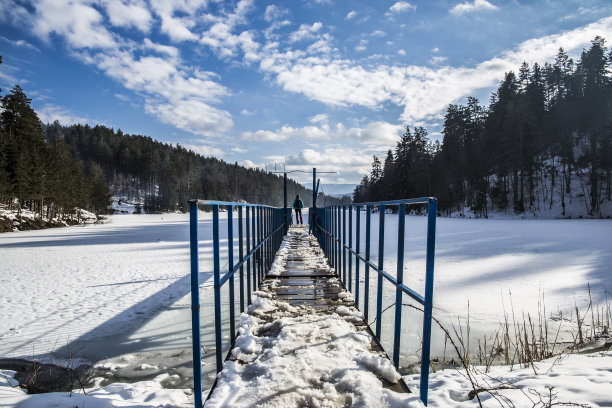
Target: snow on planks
303,342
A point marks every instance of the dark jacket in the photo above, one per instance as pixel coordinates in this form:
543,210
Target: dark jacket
298,204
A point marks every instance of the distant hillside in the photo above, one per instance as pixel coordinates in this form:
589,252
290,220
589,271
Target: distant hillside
164,177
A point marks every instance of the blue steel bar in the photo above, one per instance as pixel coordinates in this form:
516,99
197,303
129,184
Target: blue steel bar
400,280
217,289
381,257
366,287
357,244
314,198
241,256
427,308
350,244
412,294
332,237
344,243
230,265
255,264
248,249
195,304
339,245
259,253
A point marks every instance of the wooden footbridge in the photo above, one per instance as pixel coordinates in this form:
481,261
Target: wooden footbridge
322,268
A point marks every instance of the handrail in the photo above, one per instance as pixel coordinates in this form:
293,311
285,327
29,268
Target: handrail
330,229
261,230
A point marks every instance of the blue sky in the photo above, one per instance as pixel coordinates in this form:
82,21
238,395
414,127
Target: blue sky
323,83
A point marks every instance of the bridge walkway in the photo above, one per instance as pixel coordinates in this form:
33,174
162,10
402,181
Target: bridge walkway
306,341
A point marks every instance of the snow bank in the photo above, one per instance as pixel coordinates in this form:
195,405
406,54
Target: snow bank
566,380
140,394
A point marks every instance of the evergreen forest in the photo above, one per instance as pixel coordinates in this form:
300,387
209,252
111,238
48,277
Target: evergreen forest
544,139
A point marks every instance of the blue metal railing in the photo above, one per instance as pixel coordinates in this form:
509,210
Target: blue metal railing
331,231
260,234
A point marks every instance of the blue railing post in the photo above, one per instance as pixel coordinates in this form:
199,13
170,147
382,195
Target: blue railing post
217,288
195,303
261,252
230,266
339,244
344,244
255,261
247,225
241,257
381,257
366,286
357,253
350,246
428,305
400,281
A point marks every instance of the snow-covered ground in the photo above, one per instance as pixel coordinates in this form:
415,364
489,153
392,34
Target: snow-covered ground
102,288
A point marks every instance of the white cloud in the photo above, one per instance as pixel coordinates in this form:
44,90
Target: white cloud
286,133
347,150
350,15
378,33
122,97
246,112
401,6
175,93
373,134
160,48
321,117
274,13
583,11
19,43
350,164
204,149
79,24
361,46
435,50
179,17
224,42
250,164
50,113
401,52
476,5
437,60
131,13
423,92
305,32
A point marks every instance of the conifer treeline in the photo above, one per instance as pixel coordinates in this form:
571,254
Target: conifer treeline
43,177
168,176
544,127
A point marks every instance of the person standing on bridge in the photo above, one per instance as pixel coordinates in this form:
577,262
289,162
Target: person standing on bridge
297,206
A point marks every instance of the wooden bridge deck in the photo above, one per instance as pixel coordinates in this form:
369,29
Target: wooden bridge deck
302,278
301,282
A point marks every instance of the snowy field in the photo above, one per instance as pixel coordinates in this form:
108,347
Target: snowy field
118,292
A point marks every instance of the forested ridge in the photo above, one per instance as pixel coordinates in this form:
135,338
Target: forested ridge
167,176
53,170
544,140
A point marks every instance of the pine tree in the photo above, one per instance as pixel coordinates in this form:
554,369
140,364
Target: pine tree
28,157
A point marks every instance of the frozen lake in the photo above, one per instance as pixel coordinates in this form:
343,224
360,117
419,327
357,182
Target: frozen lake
120,290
